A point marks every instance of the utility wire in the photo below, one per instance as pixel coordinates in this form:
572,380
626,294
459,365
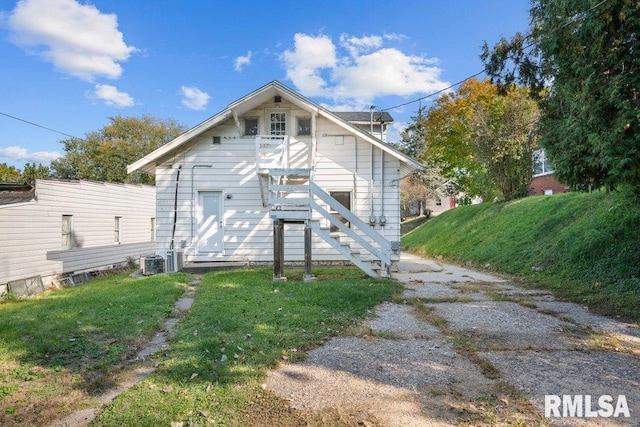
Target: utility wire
37,125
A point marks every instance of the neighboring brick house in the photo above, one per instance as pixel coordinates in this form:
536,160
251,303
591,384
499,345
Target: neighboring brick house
543,181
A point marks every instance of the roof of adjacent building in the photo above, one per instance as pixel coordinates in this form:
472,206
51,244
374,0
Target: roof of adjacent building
12,193
360,117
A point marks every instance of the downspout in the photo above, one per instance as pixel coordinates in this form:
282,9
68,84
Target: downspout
355,175
372,217
383,219
175,209
193,199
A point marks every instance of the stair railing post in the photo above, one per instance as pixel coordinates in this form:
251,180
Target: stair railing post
308,274
278,250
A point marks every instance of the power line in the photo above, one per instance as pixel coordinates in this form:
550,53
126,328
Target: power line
434,93
37,125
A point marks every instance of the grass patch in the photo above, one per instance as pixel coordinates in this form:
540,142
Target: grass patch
584,247
241,325
58,350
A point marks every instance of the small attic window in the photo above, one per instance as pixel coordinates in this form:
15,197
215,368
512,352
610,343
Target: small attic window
216,140
304,126
277,99
250,126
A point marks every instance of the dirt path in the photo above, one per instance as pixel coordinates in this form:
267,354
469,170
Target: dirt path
466,348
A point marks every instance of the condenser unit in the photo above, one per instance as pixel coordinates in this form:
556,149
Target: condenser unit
174,261
151,265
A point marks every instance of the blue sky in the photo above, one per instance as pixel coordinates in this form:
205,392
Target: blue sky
69,65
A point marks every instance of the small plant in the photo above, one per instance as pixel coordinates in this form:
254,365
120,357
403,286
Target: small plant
132,263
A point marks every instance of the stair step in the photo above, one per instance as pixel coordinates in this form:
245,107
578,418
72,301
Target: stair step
300,215
290,172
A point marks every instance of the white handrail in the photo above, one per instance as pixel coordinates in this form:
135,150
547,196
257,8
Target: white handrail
350,216
384,258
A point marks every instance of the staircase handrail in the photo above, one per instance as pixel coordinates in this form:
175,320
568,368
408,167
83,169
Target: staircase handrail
384,254
381,255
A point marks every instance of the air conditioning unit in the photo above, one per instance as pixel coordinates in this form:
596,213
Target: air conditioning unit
151,265
174,261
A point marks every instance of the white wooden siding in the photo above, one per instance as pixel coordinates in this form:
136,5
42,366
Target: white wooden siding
229,167
31,234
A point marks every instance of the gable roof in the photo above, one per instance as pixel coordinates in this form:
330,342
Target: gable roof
250,101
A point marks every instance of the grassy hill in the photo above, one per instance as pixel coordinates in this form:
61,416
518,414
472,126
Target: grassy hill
585,247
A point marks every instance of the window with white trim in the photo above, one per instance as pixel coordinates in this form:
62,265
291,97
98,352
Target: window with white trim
67,231
251,126
278,123
304,126
118,230
541,165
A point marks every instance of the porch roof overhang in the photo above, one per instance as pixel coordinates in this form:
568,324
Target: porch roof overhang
260,96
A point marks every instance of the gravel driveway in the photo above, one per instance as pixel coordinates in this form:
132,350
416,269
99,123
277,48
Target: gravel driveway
462,347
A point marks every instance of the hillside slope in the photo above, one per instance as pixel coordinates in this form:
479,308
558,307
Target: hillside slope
586,247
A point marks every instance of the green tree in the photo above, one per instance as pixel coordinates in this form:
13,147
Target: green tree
9,173
31,170
482,140
503,136
103,155
423,185
585,54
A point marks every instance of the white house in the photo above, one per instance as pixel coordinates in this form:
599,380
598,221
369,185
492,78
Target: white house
52,228
276,177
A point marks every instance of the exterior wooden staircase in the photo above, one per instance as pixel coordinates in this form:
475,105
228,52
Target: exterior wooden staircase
293,197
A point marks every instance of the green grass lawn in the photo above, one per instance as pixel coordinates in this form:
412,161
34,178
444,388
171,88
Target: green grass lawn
58,350
584,246
61,350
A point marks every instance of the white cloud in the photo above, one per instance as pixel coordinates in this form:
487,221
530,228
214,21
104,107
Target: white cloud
359,69
356,45
242,61
194,99
304,64
111,96
19,153
77,38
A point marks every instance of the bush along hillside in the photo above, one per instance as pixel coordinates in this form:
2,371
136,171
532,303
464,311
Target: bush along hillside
583,246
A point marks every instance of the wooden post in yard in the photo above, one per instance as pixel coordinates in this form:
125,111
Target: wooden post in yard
308,274
278,250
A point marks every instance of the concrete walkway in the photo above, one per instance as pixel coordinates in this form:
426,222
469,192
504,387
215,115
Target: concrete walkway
541,346
469,348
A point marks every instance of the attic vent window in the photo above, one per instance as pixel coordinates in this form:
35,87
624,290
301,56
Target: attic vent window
277,99
216,140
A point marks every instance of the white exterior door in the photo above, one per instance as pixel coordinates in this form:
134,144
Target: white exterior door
209,222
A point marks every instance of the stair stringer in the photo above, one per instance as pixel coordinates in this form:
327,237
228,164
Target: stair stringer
344,249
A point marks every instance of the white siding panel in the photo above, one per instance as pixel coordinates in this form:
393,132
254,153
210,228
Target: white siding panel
28,232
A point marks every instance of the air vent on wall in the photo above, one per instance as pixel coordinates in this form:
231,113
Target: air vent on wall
216,140
277,99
